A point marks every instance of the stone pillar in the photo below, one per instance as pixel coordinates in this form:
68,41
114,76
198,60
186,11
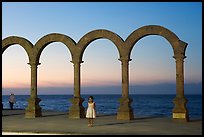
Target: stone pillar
125,111
33,109
180,111
77,110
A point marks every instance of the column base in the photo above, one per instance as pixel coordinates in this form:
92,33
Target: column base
181,116
125,112
77,111
180,112
33,110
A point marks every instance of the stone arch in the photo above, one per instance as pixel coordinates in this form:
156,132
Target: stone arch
33,111
98,34
26,44
179,111
77,110
136,35
54,37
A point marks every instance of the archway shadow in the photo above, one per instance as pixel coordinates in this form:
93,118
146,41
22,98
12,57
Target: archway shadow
195,120
12,112
105,115
122,122
50,114
147,117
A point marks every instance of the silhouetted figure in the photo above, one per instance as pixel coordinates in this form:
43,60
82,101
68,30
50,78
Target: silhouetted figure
12,100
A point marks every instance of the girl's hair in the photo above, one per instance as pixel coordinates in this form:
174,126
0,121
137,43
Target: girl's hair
91,97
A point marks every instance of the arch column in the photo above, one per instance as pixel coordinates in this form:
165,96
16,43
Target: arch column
125,111
180,111
33,109
77,110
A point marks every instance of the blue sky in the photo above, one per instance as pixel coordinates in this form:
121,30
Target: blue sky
152,62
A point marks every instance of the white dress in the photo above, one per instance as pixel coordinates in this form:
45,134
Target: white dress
91,113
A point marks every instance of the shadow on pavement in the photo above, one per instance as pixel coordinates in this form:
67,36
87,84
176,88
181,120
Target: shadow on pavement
50,115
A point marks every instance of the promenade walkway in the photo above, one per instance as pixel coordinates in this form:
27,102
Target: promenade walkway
13,122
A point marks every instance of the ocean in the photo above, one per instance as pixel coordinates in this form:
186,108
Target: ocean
143,105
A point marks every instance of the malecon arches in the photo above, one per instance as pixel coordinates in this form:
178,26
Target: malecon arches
125,111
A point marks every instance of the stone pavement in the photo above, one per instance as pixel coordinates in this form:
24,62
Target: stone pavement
14,122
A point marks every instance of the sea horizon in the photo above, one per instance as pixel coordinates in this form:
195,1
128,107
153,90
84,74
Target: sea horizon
111,94
142,104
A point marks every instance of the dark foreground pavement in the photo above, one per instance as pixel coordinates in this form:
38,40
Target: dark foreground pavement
59,123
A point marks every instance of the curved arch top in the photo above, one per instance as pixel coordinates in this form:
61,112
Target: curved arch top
12,40
54,37
151,30
97,34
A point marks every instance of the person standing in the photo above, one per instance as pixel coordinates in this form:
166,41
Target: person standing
12,100
91,113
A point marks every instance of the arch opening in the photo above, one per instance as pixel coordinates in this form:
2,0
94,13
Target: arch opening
152,75
53,78
15,75
97,80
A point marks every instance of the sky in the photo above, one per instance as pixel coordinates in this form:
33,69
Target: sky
151,71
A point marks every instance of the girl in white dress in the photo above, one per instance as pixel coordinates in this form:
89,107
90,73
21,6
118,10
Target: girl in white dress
91,113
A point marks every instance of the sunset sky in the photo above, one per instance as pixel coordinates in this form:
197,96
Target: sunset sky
152,63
